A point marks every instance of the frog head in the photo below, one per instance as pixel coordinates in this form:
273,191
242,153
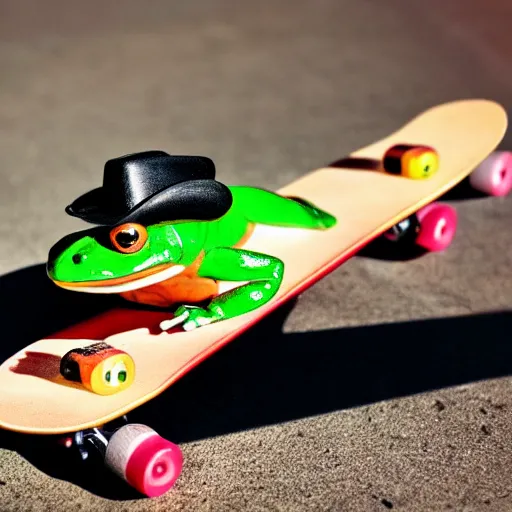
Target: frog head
118,259
144,198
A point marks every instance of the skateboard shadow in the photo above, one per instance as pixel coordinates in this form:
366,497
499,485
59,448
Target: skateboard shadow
268,376
365,164
385,250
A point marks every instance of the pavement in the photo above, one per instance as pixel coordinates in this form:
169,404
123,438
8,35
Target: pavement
387,385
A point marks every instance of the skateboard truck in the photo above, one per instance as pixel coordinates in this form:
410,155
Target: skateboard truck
93,440
95,437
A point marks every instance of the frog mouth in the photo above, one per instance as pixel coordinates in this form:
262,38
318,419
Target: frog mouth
126,283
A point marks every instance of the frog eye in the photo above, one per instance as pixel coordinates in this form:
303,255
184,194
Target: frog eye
128,238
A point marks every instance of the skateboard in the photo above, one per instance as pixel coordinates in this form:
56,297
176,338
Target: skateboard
387,189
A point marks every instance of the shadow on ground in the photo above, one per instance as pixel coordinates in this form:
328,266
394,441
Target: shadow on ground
263,377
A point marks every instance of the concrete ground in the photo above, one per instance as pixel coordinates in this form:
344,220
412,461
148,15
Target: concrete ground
386,386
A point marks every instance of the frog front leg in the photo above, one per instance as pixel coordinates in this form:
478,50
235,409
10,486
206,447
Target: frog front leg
264,274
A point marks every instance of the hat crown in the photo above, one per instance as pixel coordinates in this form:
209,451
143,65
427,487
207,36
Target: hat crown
128,180
154,186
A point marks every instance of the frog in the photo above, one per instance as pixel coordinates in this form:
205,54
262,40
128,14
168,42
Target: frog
167,233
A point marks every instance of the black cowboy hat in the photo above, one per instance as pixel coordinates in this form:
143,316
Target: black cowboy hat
152,187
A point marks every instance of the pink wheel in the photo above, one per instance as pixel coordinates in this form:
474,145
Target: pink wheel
494,175
148,462
438,224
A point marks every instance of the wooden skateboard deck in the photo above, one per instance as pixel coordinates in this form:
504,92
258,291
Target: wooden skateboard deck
366,202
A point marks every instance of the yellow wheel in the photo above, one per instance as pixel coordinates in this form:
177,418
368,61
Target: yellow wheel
111,375
413,162
99,367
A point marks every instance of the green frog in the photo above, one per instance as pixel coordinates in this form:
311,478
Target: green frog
167,233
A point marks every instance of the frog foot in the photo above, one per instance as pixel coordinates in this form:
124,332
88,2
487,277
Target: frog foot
324,220
190,317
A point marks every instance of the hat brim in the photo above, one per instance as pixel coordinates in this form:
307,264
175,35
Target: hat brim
200,200
91,207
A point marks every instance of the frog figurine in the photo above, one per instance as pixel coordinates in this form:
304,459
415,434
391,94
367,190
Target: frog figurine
166,232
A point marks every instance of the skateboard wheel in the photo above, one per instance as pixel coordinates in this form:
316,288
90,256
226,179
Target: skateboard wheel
414,162
145,460
405,231
494,175
438,224
100,368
